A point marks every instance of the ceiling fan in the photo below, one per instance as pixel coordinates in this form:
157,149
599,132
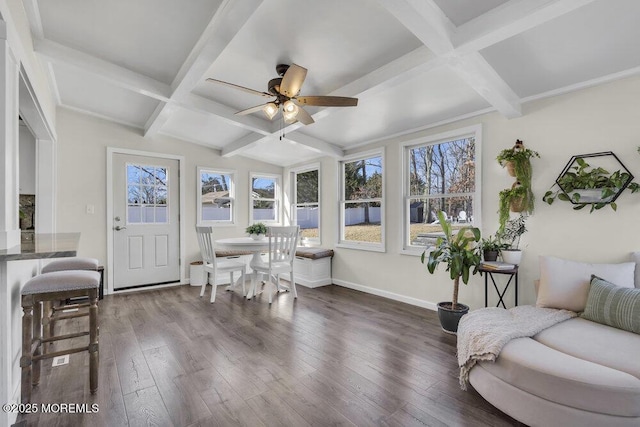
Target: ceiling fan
285,90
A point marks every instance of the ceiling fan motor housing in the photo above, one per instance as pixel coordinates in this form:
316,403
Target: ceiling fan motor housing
274,86
281,69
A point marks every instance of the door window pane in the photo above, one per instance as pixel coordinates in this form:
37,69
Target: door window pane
147,194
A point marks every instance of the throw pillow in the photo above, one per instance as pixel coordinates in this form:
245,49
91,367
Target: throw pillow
613,306
635,257
565,284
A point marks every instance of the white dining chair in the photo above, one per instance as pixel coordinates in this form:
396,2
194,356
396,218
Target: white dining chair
282,252
214,266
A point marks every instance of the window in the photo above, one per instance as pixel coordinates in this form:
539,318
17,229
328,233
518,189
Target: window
442,174
216,197
361,204
147,194
305,207
264,203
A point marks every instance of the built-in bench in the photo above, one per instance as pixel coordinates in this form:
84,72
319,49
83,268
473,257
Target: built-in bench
312,266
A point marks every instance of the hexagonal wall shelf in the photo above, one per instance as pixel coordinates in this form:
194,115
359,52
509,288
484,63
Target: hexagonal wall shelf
607,162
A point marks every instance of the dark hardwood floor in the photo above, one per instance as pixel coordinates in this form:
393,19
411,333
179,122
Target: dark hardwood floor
332,357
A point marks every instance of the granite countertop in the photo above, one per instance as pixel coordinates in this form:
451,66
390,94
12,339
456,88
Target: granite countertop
56,245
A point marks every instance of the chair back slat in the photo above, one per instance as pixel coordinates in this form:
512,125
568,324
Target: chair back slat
282,243
205,240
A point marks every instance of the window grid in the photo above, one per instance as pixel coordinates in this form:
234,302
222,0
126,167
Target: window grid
453,163
263,208
306,214
147,194
362,202
216,196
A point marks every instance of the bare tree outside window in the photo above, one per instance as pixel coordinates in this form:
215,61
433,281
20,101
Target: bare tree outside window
442,177
362,200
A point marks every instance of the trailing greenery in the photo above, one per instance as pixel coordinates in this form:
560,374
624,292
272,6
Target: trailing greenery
506,197
257,228
509,235
582,176
520,158
460,252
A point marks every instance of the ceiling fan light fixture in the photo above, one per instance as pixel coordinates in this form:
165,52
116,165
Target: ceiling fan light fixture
270,110
289,110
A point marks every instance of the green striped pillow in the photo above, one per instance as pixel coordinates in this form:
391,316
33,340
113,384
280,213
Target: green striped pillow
612,305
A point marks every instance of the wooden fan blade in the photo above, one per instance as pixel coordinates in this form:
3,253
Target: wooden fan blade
250,110
304,117
292,80
245,89
327,101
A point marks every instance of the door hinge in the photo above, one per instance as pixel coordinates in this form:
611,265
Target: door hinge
179,261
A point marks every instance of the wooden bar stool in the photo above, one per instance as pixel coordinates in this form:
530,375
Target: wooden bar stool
49,307
57,286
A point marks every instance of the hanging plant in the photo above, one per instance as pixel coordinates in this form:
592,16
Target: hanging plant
517,160
514,199
583,184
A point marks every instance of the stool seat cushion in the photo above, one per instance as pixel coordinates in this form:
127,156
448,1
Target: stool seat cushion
75,263
313,252
59,281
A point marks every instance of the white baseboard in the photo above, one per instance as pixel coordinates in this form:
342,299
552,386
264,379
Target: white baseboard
386,294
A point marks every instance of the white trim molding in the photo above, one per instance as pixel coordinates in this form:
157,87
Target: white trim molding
386,294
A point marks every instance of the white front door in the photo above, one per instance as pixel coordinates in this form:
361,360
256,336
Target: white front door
146,230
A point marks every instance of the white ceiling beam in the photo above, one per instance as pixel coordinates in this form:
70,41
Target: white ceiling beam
477,72
242,144
425,20
224,25
114,74
35,20
508,20
432,27
228,114
317,145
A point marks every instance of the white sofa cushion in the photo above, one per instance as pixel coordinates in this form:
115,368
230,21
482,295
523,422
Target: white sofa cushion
565,283
558,377
607,346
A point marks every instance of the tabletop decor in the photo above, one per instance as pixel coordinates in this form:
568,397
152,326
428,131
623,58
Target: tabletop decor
257,231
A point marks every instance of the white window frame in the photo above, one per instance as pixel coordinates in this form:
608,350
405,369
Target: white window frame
232,196
466,132
277,199
352,244
294,202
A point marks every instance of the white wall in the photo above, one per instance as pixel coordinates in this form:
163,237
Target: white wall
27,161
603,118
82,149
596,119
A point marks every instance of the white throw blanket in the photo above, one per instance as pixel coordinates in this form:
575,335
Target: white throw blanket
483,333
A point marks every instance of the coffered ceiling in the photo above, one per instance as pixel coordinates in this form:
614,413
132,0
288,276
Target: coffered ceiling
413,64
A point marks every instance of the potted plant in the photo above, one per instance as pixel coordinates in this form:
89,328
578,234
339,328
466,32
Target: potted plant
514,199
491,247
509,237
257,231
583,185
517,160
461,254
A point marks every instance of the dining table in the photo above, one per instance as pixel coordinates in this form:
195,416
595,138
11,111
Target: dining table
247,244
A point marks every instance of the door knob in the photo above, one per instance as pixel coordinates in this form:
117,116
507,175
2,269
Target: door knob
118,228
